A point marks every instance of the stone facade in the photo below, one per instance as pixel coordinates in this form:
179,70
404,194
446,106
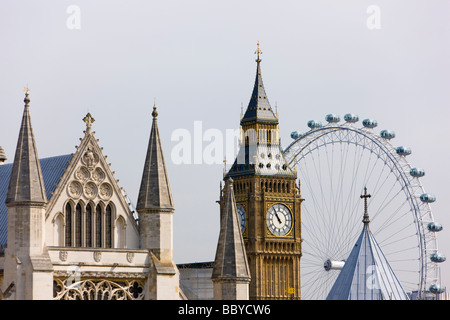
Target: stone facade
84,241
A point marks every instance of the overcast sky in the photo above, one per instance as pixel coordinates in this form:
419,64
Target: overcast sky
196,58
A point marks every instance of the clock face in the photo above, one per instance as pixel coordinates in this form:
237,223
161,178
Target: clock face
241,214
279,220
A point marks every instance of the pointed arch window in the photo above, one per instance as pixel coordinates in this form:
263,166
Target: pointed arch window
98,226
78,223
68,229
108,226
88,227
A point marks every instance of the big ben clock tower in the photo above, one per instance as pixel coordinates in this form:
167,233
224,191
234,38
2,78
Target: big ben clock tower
268,201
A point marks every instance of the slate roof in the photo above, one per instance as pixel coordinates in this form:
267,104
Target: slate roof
259,108
261,159
154,192
26,183
231,259
52,169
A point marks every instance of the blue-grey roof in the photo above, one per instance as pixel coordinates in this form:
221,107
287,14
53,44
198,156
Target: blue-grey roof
367,274
259,109
52,169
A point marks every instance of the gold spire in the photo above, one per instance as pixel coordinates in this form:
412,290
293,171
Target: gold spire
258,52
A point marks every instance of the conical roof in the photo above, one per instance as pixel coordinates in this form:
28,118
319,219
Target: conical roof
26,183
154,192
367,274
259,109
231,259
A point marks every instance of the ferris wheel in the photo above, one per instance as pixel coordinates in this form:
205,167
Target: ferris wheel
335,162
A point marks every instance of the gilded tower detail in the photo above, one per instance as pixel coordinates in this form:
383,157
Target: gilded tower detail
268,201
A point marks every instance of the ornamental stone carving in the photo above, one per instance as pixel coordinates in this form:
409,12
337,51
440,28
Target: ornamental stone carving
90,158
90,190
130,256
105,191
63,255
96,289
82,174
97,256
98,175
75,189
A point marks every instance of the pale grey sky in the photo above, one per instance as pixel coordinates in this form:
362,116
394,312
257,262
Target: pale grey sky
196,58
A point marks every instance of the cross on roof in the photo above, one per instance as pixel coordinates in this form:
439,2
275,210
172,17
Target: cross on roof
365,196
89,121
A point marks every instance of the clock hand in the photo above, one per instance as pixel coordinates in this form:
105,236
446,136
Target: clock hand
278,218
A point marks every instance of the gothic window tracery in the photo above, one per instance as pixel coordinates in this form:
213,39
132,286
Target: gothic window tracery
93,289
88,227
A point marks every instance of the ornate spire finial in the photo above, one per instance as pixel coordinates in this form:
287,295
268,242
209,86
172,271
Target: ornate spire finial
89,121
258,52
2,156
365,196
27,99
154,113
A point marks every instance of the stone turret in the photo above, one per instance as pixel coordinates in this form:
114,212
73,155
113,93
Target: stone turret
27,264
231,273
155,208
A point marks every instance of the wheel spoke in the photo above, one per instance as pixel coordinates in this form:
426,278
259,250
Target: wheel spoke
335,163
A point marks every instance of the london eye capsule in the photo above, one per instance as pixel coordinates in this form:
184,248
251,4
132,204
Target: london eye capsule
436,288
313,124
387,134
352,118
427,198
416,172
434,227
403,151
294,135
370,123
332,118
437,257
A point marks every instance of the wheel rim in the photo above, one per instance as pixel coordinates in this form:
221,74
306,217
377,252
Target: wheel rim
334,164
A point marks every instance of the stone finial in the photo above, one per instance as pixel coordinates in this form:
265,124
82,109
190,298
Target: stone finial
2,156
89,120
